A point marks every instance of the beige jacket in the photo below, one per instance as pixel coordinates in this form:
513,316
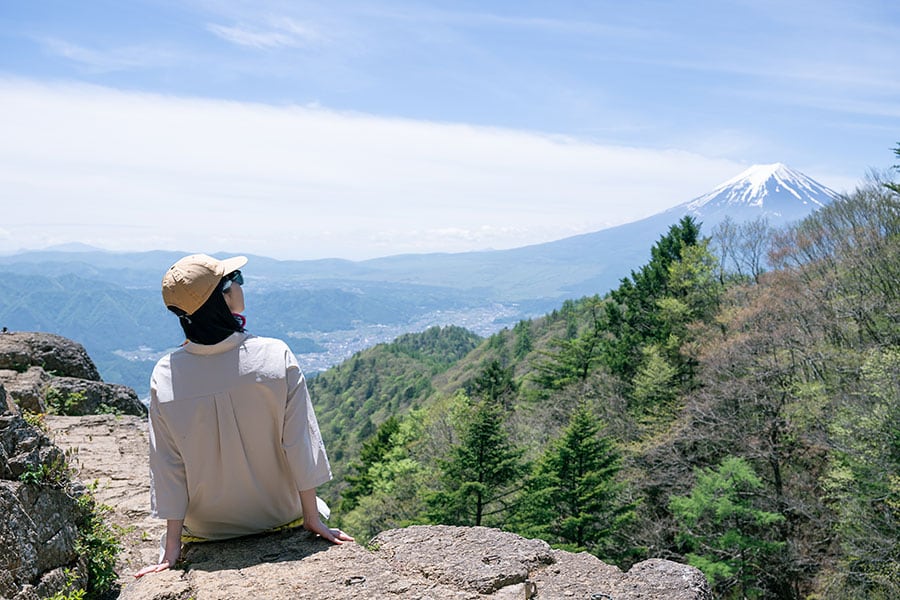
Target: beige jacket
233,437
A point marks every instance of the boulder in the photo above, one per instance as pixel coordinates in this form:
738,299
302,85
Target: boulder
25,449
26,389
40,512
54,353
91,397
37,391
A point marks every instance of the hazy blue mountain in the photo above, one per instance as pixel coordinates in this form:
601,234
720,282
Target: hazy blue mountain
328,309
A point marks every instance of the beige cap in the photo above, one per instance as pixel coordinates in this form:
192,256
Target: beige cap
189,282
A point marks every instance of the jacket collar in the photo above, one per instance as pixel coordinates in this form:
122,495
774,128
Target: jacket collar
230,343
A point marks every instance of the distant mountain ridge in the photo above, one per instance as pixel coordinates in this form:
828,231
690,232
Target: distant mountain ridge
109,301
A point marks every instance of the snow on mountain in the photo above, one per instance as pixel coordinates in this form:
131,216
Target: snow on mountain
774,191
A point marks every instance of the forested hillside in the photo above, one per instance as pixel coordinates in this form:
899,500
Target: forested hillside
742,420
382,381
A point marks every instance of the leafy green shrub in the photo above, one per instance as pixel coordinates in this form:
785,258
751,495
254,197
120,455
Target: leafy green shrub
63,403
99,543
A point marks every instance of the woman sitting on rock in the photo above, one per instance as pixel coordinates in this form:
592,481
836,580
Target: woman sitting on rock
235,447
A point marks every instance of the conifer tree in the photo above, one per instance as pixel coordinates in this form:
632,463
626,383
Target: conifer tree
373,450
573,499
575,355
632,316
495,383
481,475
728,537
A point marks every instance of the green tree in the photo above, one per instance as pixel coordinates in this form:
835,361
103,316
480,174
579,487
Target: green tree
632,315
395,482
524,342
574,355
863,482
726,535
482,474
654,384
373,451
573,498
494,383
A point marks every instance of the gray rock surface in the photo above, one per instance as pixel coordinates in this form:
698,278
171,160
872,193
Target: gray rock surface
56,354
26,389
98,397
36,391
39,525
6,401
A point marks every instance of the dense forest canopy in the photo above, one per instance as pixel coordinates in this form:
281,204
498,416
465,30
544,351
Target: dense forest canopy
734,404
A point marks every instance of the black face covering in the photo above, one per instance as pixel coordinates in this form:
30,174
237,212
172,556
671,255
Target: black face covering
212,322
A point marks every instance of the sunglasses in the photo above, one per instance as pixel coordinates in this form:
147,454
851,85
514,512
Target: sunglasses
233,277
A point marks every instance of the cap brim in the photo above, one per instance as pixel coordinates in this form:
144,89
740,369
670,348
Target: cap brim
232,264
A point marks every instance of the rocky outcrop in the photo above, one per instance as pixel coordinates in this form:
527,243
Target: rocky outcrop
40,512
437,562
44,373
54,353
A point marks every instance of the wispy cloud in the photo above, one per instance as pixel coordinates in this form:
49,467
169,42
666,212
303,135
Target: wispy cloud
275,32
109,60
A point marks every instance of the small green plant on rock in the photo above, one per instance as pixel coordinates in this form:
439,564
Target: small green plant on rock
59,402
99,543
71,592
36,420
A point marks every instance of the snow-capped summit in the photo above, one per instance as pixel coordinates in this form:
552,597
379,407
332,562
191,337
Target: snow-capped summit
774,191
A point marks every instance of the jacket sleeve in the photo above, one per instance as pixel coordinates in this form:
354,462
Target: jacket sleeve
168,483
301,439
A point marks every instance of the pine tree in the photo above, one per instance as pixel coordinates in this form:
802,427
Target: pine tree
373,450
482,474
573,499
727,536
495,384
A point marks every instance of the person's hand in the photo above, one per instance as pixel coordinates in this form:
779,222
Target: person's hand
153,569
335,536
169,559
172,549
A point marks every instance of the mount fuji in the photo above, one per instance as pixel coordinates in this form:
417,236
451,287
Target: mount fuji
775,192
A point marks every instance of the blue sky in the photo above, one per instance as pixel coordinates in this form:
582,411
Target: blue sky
358,129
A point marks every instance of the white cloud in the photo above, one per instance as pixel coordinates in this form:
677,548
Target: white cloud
110,60
142,171
273,33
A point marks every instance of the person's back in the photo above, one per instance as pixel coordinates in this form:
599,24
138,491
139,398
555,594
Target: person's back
237,415
235,447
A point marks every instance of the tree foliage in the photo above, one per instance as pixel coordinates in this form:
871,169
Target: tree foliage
726,535
481,475
574,499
